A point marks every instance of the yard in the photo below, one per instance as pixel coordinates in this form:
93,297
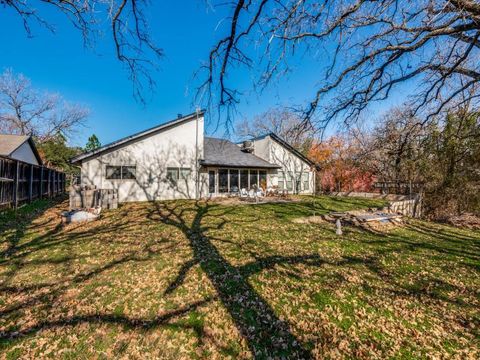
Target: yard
203,280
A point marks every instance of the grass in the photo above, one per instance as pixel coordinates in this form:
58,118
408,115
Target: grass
199,280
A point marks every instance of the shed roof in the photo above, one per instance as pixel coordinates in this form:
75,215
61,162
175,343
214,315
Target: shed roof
9,143
221,152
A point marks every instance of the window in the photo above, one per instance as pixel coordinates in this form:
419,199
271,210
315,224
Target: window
263,179
121,172
211,182
129,172
233,180
114,172
185,173
281,181
288,182
243,179
174,174
306,182
222,180
253,178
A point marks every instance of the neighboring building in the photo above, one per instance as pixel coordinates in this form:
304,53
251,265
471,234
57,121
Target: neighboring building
19,147
175,160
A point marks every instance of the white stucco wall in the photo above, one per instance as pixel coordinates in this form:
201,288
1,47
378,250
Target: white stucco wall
173,147
25,153
292,165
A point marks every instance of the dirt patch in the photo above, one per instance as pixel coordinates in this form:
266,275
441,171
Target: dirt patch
467,220
371,220
310,220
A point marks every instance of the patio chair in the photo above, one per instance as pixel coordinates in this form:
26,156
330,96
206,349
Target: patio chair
243,192
234,191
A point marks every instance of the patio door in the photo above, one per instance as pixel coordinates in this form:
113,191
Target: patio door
211,182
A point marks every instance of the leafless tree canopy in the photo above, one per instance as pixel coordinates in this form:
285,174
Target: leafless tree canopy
128,27
368,49
286,124
25,111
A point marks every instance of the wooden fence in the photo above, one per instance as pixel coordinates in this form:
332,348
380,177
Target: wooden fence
21,182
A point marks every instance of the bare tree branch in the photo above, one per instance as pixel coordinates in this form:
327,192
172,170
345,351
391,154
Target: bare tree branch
131,36
24,111
369,49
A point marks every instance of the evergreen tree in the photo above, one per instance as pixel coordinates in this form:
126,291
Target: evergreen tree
92,143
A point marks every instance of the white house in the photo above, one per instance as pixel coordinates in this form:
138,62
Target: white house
175,160
19,147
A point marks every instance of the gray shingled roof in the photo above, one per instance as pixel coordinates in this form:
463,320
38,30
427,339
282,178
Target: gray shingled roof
221,152
10,143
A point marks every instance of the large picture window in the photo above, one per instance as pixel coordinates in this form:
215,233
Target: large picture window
234,180
121,172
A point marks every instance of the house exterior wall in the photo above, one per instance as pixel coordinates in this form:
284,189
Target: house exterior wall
293,167
173,147
25,153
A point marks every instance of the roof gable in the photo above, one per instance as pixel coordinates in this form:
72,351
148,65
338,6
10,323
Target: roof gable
286,145
135,137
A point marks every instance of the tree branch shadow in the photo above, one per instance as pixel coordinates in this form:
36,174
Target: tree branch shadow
266,334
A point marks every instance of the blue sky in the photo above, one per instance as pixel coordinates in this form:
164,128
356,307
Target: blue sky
185,30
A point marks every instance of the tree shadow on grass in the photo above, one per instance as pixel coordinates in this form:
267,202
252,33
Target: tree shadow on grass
266,334
14,224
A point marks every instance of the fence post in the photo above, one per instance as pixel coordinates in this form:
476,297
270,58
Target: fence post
30,184
49,182
15,185
41,183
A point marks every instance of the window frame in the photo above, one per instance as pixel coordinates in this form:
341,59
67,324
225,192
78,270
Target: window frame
175,171
120,167
306,181
181,173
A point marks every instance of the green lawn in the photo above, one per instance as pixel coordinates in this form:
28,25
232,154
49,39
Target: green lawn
201,280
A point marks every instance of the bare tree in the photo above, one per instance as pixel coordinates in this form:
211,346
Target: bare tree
393,150
284,123
26,111
370,48
128,27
